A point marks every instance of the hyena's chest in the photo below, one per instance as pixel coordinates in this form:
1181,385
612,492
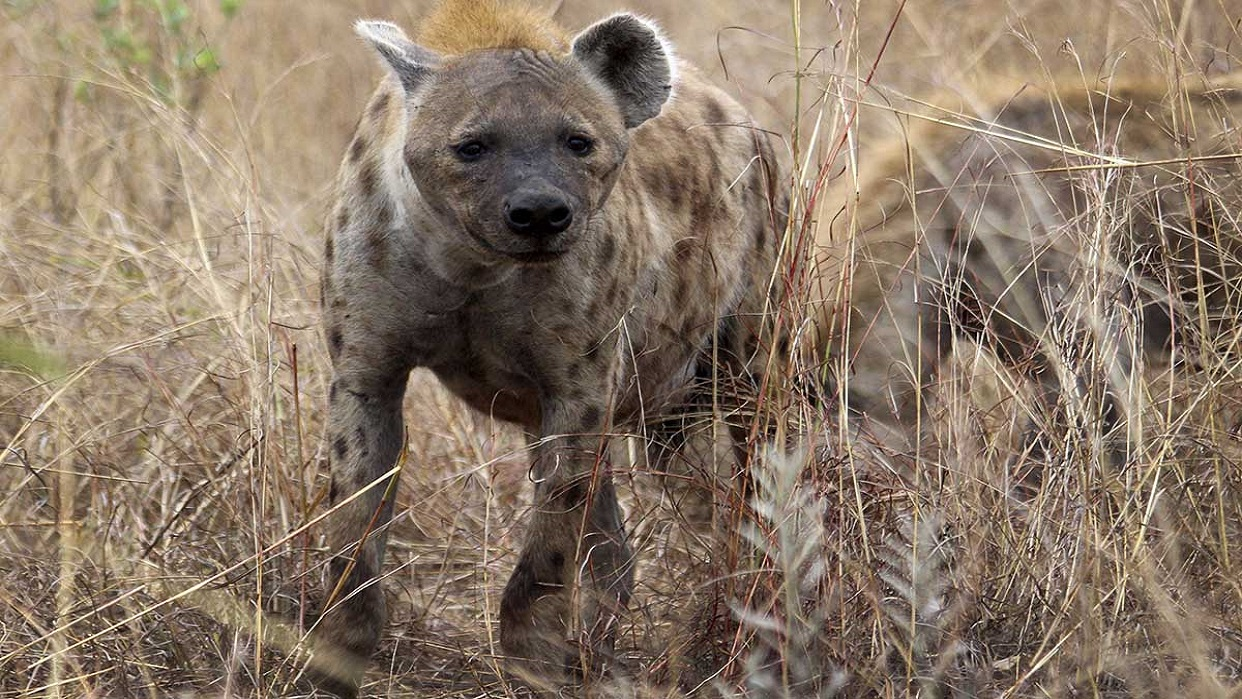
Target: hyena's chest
515,345
483,363
635,341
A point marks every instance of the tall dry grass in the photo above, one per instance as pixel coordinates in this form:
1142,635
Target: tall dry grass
162,380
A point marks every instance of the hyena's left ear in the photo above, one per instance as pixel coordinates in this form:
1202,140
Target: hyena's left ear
631,58
411,63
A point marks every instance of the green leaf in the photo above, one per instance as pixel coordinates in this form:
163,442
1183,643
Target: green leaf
83,90
230,7
15,352
206,61
117,40
105,8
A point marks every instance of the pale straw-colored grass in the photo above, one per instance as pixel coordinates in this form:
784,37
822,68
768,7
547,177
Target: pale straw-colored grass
162,382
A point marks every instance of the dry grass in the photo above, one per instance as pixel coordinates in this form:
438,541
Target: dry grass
162,383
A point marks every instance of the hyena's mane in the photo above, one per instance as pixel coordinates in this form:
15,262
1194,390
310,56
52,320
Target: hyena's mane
460,26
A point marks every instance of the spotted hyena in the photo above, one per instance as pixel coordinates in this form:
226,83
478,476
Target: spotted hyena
1070,233
563,228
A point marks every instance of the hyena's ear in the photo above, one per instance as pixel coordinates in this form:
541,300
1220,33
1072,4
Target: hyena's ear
411,63
631,58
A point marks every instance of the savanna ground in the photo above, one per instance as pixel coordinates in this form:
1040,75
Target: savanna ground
164,169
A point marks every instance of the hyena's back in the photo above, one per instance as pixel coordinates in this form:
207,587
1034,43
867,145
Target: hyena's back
1113,212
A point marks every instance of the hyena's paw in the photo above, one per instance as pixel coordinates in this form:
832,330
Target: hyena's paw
556,638
343,639
534,615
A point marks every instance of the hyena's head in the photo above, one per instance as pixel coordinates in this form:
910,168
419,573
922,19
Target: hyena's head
516,150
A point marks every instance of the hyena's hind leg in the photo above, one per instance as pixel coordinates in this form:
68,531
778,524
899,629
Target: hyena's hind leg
692,451
703,447
365,438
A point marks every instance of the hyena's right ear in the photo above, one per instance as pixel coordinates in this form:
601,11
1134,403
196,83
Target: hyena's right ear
411,63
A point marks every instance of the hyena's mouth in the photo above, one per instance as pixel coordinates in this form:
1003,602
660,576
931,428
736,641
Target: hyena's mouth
527,256
536,256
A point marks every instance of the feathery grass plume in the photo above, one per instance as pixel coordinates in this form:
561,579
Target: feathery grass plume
787,657
916,565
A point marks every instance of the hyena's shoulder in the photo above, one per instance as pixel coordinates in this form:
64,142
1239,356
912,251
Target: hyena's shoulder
364,208
708,184
704,158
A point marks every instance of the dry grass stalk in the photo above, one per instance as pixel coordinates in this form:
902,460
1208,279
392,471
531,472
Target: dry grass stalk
162,474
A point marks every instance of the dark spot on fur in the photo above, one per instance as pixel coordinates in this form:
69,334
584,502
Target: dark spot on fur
574,371
339,449
607,250
590,417
676,197
332,492
329,250
612,293
379,107
572,496
368,180
671,192
683,286
761,235
683,165
383,215
342,218
714,113
336,340
714,165
597,306
684,248
595,352
377,245
360,442
357,148
551,573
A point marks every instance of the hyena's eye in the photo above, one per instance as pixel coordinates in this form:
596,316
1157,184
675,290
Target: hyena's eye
471,150
579,145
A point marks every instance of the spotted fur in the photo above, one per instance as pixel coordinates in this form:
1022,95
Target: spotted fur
529,215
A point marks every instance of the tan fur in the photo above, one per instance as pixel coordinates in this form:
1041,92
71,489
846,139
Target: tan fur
459,26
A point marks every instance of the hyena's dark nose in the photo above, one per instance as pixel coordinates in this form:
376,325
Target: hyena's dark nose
537,214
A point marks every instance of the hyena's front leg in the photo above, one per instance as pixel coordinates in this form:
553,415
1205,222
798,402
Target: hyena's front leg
575,574
365,437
